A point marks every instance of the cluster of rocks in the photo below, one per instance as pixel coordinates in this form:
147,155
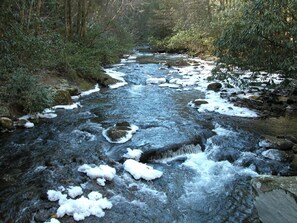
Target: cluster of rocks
274,102
282,149
62,96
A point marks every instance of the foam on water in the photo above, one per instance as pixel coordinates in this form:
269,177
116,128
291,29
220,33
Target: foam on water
118,76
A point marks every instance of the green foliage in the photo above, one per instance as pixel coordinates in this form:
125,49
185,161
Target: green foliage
193,40
84,58
262,38
23,90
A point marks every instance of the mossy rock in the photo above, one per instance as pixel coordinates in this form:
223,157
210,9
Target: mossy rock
105,80
6,123
62,97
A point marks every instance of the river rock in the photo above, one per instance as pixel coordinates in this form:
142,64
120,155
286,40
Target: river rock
6,123
275,198
294,148
275,154
281,143
284,144
120,132
214,86
293,165
197,102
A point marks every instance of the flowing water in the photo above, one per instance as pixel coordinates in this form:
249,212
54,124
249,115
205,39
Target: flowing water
207,158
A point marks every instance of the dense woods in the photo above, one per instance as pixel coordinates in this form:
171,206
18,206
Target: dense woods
74,39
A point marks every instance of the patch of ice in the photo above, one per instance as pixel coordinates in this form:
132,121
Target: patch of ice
133,154
91,91
68,107
139,170
102,171
156,80
74,191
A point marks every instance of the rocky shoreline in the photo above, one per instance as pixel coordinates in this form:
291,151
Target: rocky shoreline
63,90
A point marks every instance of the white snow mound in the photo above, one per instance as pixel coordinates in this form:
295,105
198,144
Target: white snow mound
140,170
102,171
133,154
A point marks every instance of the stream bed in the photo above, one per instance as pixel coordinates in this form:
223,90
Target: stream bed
207,155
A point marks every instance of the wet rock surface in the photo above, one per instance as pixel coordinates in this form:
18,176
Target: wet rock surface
275,198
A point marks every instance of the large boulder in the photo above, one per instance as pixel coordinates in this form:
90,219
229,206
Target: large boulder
275,198
120,132
214,86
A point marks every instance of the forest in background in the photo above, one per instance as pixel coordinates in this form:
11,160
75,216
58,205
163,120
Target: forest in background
74,39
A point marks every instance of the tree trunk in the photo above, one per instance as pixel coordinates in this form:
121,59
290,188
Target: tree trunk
78,19
68,18
30,15
83,28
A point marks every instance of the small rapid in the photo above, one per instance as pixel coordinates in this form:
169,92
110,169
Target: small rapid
203,158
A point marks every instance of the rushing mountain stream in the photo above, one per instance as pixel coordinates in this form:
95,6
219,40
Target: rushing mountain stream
200,151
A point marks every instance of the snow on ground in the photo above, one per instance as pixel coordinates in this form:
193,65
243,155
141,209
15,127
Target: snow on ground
223,106
91,91
197,78
118,76
133,154
140,170
68,107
